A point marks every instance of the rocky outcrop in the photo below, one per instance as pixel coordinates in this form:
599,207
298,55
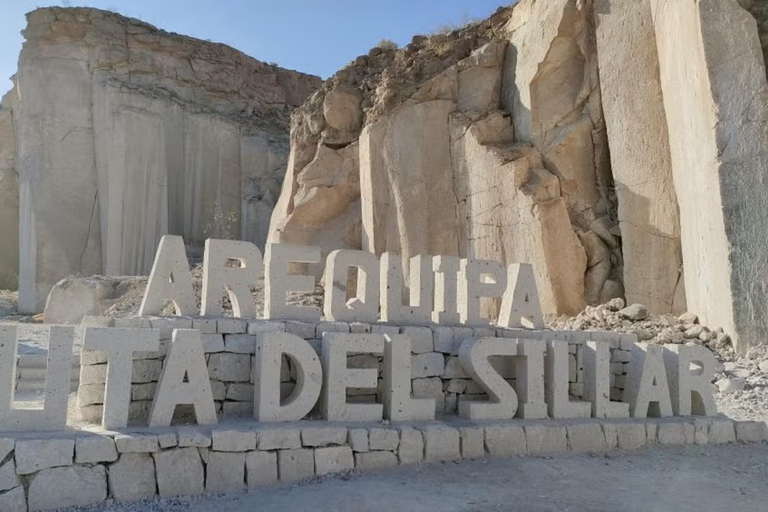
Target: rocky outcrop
640,155
452,162
124,133
718,140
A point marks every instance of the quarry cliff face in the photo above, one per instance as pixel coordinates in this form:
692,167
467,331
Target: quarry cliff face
120,133
559,133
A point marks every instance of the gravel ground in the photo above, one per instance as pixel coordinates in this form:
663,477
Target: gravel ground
695,478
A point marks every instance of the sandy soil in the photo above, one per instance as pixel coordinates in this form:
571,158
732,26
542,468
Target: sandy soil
696,478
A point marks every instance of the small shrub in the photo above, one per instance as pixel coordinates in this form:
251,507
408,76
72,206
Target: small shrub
221,224
387,44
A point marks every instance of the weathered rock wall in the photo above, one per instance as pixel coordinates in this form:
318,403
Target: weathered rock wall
125,133
9,198
718,139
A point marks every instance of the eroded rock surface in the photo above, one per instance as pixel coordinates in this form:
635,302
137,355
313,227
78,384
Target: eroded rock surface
124,133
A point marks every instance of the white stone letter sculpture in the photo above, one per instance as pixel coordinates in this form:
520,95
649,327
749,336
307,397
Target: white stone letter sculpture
556,369
236,282
529,375
392,288
446,271
337,377
520,306
691,392
399,405
479,279
278,282
119,345
502,403
170,280
647,389
184,381
53,415
270,348
364,307
597,385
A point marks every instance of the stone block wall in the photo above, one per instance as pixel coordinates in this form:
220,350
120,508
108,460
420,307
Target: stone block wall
229,344
80,469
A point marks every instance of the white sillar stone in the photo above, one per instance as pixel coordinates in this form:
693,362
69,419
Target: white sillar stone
631,436
94,449
334,459
137,443
231,325
411,449
212,343
422,340
132,478
225,472
233,440
588,437
261,468
93,374
751,431
323,327
190,436
14,500
240,392
454,370
443,339
323,436
441,443
179,472
34,455
167,440
305,330
721,431
146,370
8,477
545,439
296,465
240,343
505,440
6,447
358,439
375,460
204,325
431,364
383,439
230,367
279,439
73,486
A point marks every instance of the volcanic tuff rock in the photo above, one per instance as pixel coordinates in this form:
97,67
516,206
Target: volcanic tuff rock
561,133
124,133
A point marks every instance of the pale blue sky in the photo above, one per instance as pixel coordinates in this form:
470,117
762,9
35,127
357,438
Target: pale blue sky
317,37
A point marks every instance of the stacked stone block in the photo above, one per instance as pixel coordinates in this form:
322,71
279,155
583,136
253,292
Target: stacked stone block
79,469
229,344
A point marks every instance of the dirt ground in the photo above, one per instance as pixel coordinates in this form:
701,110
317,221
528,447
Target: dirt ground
695,478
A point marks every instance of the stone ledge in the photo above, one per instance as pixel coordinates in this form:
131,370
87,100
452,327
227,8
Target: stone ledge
248,454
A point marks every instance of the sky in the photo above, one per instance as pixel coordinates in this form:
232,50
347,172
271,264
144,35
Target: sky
317,37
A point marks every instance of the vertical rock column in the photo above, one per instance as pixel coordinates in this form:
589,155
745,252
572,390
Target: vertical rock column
9,198
716,100
640,157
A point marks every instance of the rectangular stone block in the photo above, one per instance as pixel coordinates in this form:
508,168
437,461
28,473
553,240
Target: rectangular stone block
431,364
671,433
93,374
14,500
334,459
453,369
240,343
324,327
746,432
34,455
359,328
323,436
8,477
411,447
545,439
259,326
588,437
240,392
233,440
358,439
296,465
375,460
132,478
383,439
193,437
143,391
472,442
261,468
146,370
167,440
422,340
721,431
631,436
505,440
442,337
390,330
213,343
72,486
136,443
95,449
225,472
279,439
230,367
441,443
305,330
179,472
231,325
204,325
